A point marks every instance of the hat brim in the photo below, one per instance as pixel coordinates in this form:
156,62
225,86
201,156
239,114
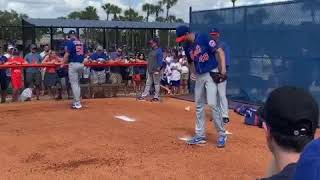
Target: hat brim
214,33
181,39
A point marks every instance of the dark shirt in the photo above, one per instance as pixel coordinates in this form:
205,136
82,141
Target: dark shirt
286,174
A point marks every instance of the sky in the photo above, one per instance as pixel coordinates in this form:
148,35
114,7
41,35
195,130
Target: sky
58,8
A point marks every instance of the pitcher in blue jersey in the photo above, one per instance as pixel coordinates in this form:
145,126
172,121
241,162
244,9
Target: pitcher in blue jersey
222,87
75,52
201,49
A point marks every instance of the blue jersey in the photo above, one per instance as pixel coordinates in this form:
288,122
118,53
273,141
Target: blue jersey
76,50
3,60
99,57
226,49
202,53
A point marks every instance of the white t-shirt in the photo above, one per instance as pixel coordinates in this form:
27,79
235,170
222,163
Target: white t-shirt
27,93
175,71
169,59
184,68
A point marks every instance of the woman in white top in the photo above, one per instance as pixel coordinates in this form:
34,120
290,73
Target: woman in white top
184,75
175,77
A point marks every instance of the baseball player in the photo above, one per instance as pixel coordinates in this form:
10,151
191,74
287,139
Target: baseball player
75,52
207,59
222,87
155,62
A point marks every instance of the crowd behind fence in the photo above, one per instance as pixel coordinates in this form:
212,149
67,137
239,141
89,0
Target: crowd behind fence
120,73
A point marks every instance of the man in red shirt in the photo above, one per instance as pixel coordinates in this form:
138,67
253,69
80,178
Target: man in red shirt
16,73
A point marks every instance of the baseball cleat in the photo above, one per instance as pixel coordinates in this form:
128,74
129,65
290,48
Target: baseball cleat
76,105
222,141
226,120
196,140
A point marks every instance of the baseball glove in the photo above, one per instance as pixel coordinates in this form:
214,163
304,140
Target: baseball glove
218,77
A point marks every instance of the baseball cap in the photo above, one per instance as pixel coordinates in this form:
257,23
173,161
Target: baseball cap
153,40
10,47
99,48
308,166
72,32
214,31
33,46
181,33
291,111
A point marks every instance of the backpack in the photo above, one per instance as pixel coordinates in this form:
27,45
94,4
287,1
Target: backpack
241,109
252,118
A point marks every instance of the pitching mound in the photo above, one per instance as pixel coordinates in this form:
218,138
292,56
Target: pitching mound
122,139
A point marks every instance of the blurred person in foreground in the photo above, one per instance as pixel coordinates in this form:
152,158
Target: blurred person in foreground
308,167
290,119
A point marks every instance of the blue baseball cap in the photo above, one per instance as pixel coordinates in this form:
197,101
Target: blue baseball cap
72,32
181,33
215,31
308,166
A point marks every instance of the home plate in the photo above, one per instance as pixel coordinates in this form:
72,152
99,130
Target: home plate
125,118
228,133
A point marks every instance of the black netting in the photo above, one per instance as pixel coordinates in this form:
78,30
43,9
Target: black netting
272,45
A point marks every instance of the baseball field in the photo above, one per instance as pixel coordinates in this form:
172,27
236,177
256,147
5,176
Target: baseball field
48,140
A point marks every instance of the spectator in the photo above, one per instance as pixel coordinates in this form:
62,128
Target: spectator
4,79
9,52
45,52
155,62
291,118
98,74
308,166
51,76
165,79
16,73
115,72
33,75
175,77
63,78
184,75
137,73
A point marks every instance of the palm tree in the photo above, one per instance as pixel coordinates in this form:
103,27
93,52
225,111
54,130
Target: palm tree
313,6
157,9
115,10
148,8
90,12
107,9
160,19
169,4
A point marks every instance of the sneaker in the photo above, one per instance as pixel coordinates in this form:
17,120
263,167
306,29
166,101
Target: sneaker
226,120
155,100
197,140
141,98
76,105
222,141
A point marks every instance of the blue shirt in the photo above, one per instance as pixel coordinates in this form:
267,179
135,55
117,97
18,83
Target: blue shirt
33,58
223,45
99,57
3,60
76,50
202,52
